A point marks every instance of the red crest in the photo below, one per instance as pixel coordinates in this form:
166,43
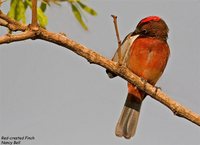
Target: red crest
150,18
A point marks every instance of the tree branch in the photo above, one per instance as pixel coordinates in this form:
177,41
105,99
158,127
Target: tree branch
98,59
10,23
8,38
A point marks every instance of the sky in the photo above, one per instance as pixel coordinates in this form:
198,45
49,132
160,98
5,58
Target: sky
57,97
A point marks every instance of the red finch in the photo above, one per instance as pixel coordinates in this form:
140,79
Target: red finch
145,52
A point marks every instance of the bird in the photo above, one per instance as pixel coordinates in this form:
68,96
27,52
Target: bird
145,52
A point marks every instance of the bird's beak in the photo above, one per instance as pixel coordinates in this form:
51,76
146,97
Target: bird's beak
136,32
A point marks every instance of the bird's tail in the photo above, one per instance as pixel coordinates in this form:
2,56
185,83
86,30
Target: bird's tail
127,123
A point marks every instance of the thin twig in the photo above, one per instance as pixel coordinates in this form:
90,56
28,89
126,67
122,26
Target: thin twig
34,14
118,39
116,29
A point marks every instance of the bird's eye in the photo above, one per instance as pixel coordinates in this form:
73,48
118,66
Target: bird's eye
144,31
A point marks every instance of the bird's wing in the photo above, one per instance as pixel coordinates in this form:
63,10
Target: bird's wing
125,47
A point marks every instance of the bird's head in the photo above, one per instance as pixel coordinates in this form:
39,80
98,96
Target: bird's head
152,26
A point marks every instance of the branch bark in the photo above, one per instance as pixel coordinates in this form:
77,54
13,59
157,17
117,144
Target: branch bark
93,57
10,23
8,38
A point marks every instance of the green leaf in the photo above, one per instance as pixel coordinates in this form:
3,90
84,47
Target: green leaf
78,16
12,11
25,4
17,10
42,18
87,9
28,2
20,12
43,6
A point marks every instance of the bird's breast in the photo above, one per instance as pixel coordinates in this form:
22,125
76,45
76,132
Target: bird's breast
148,58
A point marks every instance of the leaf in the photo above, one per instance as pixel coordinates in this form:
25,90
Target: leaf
42,18
28,3
78,16
87,9
25,4
12,11
57,2
17,10
20,12
43,6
